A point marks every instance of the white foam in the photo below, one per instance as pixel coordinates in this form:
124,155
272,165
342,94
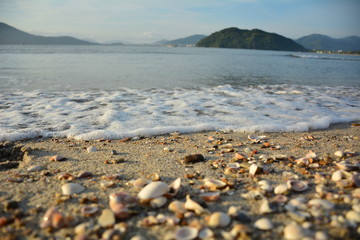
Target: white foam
130,112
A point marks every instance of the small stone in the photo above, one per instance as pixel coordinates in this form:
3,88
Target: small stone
339,154
194,158
168,149
293,231
91,149
72,188
263,224
107,218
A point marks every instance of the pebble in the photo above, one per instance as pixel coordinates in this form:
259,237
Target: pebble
107,218
339,153
293,231
194,158
72,188
263,224
353,216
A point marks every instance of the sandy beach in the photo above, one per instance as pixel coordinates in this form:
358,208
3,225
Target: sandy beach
317,171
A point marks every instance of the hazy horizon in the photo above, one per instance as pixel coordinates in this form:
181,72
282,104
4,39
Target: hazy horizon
146,21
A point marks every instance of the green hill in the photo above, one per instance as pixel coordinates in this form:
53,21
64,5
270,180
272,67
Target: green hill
249,39
323,42
12,36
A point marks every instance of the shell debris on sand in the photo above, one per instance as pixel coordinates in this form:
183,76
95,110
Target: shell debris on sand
292,193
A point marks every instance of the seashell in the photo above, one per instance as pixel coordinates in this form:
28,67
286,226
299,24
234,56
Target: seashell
177,207
281,189
339,153
311,154
263,224
296,185
140,183
321,236
107,218
84,228
89,210
353,216
239,156
72,188
168,149
186,233
109,234
265,185
254,169
57,158
281,157
214,184
153,190
265,207
347,167
293,231
256,139
337,175
302,161
175,187
193,158
210,196
158,202
296,203
193,206
206,233
35,168
280,198
219,219
119,202
53,219
321,203
153,177
107,184
227,145
91,149
84,174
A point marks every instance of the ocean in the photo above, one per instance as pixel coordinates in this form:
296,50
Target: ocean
112,92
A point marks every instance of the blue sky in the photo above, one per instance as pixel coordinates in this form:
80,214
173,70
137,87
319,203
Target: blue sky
145,21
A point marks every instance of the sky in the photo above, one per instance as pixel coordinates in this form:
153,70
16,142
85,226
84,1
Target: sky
147,21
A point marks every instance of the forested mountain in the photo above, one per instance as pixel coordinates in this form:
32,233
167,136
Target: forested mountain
249,39
323,42
12,36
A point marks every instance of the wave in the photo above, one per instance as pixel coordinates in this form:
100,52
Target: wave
132,112
326,57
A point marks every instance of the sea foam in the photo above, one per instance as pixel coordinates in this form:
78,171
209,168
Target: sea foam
145,112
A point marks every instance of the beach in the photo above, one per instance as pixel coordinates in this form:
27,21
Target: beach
319,168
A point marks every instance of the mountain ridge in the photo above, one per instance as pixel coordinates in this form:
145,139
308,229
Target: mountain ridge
12,36
249,39
327,43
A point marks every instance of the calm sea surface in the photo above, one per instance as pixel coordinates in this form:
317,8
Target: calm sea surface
89,92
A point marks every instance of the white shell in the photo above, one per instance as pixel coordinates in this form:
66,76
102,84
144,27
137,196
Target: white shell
293,231
219,219
91,149
158,202
214,183
253,169
153,190
177,207
339,153
107,218
193,206
337,175
281,189
263,224
71,188
265,207
206,233
140,183
353,216
296,185
210,196
186,233
35,168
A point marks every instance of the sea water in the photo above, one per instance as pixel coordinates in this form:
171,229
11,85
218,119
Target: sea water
92,92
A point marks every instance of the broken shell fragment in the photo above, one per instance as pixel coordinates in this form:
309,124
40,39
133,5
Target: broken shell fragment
140,183
210,196
91,149
53,219
214,184
72,188
89,210
254,169
339,153
219,219
186,233
263,224
256,139
153,190
107,218
57,158
281,189
193,206
175,187
177,207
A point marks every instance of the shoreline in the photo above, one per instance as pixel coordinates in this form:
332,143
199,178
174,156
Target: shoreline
35,185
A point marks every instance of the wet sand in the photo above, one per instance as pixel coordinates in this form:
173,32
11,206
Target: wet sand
28,188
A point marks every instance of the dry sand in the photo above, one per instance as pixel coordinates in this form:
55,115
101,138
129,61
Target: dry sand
26,195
